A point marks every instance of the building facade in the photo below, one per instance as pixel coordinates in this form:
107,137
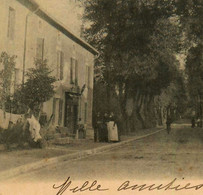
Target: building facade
29,32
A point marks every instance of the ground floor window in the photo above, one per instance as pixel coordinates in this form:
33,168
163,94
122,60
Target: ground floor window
85,117
60,111
54,110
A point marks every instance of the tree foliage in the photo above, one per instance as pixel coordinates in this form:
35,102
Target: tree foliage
38,87
194,70
7,67
173,100
191,16
137,41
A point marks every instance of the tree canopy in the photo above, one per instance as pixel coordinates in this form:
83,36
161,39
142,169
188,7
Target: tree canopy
138,41
38,87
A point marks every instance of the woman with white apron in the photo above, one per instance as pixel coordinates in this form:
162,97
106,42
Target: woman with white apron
112,129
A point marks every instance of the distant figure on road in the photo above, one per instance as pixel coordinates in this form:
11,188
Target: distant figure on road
168,124
193,122
198,122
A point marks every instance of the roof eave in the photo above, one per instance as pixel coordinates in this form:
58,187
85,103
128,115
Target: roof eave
32,5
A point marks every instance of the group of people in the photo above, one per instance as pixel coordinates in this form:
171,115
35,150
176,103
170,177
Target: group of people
106,128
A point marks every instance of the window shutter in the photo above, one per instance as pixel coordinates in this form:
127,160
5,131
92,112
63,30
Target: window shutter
61,65
11,23
85,117
54,110
86,76
76,72
40,48
58,64
71,70
60,111
89,76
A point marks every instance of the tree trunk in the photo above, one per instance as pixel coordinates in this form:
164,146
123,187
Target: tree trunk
138,109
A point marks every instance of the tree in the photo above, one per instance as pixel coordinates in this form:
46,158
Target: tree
173,100
7,64
38,87
137,41
191,14
194,70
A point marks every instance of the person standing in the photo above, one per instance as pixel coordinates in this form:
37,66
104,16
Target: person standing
97,132
193,122
112,129
104,129
198,122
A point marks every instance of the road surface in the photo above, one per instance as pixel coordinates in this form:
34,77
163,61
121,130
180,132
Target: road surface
160,156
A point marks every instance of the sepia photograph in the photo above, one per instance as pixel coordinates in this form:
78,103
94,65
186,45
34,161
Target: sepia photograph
101,97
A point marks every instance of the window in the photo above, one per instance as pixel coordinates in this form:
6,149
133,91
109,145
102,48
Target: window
40,48
54,110
40,25
88,76
60,64
71,70
11,23
59,36
85,118
60,111
74,71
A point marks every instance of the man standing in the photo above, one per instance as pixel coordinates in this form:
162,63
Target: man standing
104,128
97,132
193,122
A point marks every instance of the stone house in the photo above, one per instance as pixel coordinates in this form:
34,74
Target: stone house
30,32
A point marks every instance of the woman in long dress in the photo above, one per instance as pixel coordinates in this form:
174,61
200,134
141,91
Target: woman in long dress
112,129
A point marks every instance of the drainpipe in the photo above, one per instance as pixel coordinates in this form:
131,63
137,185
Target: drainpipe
25,42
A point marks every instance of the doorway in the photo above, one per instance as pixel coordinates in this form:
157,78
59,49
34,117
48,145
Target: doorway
71,112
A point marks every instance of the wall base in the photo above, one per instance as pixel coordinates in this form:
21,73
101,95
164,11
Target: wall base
90,133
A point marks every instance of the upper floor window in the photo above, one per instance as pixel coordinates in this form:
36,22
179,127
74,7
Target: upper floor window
11,23
59,36
40,24
86,113
74,71
40,48
88,74
60,65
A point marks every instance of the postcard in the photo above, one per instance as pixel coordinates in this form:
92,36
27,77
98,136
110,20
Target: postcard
101,97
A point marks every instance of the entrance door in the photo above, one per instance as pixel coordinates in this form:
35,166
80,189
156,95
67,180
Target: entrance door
75,117
71,113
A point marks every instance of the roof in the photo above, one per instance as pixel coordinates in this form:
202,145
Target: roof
33,6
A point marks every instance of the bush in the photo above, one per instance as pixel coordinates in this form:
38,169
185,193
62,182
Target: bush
1,135
16,135
13,135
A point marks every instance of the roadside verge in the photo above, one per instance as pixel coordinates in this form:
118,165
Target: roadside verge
67,157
